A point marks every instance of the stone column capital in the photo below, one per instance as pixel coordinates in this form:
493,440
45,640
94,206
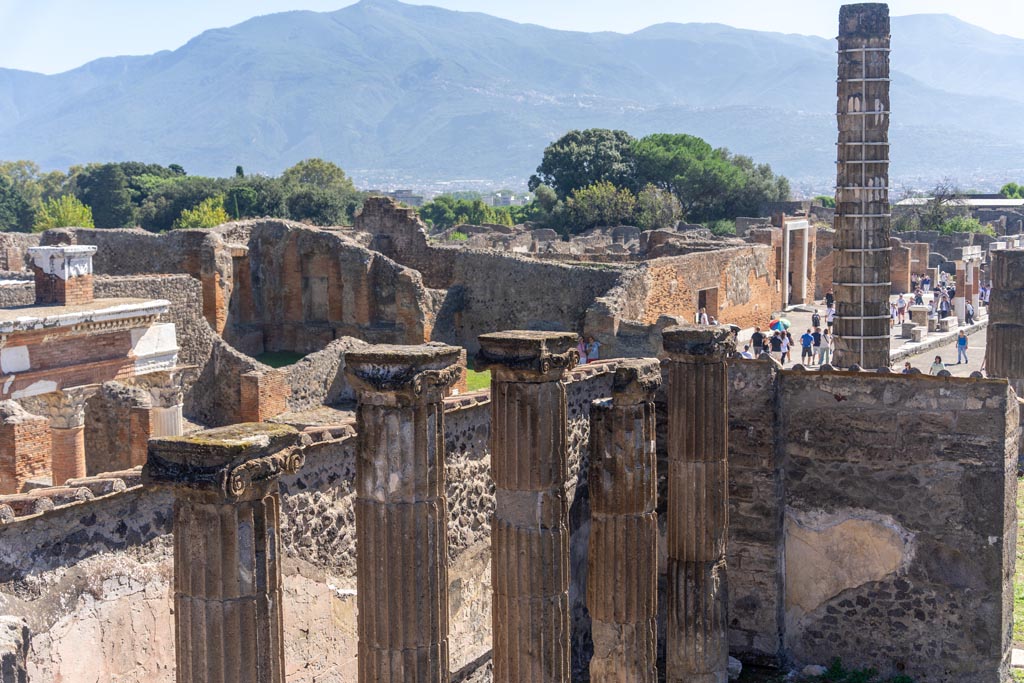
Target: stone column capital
65,408
527,356
688,342
388,374
238,462
635,381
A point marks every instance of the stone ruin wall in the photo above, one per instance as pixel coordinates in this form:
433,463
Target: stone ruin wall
93,578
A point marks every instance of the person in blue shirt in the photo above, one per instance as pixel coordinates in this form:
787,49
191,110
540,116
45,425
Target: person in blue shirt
806,344
961,347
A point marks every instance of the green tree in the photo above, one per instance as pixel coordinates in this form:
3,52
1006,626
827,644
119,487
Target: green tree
657,208
945,202
239,172
545,197
318,206
104,189
66,211
700,177
826,201
965,224
177,169
15,211
581,158
599,204
318,174
24,175
1012,191
209,213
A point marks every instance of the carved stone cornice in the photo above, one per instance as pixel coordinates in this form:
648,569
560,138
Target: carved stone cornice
386,372
232,463
691,343
635,380
527,356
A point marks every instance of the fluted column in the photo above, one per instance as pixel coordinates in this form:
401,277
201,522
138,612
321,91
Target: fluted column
227,572
402,510
622,577
529,531
697,648
1005,343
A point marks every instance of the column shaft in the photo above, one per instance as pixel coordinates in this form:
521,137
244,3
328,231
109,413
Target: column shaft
68,453
697,646
622,577
530,532
1005,342
402,511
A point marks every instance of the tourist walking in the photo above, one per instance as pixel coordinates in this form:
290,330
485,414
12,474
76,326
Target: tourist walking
961,347
815,319
892,314
825,353
901,309
746,353
830,299
830,316
806,347
702,317
937,366
757,340
969,313
593,349
816,344
775,343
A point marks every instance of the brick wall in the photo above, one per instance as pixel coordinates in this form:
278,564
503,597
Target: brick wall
24,448
51,289
263,395
899,267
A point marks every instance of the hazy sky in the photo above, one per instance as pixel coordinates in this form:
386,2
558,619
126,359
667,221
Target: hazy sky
56,35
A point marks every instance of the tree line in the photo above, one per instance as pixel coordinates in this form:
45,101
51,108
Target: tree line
158,198
600,177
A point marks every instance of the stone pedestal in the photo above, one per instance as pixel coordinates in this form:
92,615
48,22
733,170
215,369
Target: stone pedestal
622,577
919,316
1005,344
227,573
697,647
529,531
402,510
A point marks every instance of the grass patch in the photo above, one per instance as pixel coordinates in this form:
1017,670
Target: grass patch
458,237
477,380
1018,574
279,359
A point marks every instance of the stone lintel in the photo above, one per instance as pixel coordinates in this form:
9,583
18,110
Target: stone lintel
423,371
230,462
689,341
526,355
864,20
635,380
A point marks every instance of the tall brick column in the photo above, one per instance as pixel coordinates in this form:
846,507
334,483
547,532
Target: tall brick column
529,531
862,248
1005,343
697,647
227,573
25,448
402,510
622,579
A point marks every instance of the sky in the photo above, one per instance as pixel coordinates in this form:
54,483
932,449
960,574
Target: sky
51,36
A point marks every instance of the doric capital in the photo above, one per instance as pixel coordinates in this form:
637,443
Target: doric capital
234,462
635,381
65,408
387,373
527,356
688,342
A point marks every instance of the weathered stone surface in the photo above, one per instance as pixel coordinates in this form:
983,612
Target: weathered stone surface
696,647
530,534
15,639
1004,355
402,511
622,578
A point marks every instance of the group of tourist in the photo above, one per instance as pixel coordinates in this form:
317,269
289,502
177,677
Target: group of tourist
589,349
816,344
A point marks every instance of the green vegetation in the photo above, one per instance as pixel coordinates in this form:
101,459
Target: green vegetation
826,201
945,210
159,198
66,211
1012,191
209,213
448,210
279,359
606,177
965,224
458,237
478,380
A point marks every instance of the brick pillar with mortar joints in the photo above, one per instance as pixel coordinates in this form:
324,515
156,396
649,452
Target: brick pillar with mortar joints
63,274
402,510
227,570
697,644
622,578
529,530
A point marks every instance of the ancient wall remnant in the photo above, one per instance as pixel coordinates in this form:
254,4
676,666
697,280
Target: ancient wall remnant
862,249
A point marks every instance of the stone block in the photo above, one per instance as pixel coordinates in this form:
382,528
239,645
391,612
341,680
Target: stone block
918,333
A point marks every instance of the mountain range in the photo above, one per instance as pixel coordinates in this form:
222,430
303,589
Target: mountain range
417,94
